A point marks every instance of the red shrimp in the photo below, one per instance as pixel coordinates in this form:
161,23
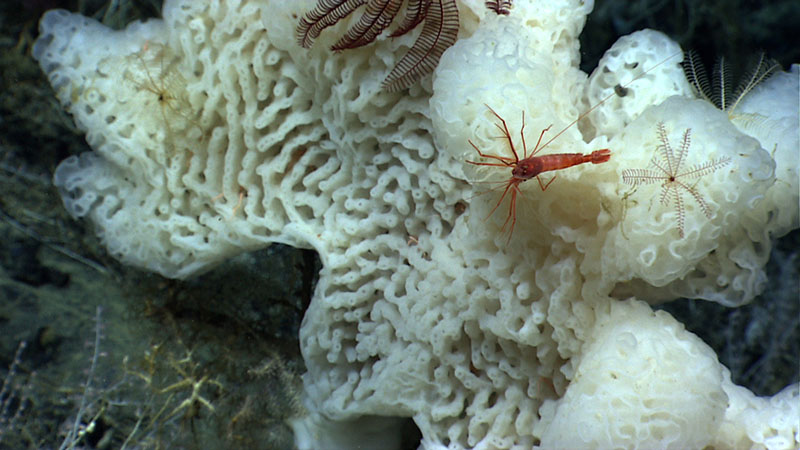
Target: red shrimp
530,166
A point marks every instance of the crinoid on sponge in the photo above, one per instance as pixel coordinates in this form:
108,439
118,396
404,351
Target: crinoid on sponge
439,31
719,91
750,108
669,170
156,76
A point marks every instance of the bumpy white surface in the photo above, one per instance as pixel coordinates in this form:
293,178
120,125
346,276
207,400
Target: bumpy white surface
635,65
769,114
662,383
720,252
758,422
213,133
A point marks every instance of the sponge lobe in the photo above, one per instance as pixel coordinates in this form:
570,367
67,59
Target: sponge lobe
647,54
644,382
171,113
222,137
717,259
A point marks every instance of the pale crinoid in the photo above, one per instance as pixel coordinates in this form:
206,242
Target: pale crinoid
156,76
667,169
439,31
719,90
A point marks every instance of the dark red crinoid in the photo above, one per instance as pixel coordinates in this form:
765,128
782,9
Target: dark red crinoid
500,6
439,31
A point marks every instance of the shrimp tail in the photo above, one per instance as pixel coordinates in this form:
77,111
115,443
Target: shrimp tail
598,156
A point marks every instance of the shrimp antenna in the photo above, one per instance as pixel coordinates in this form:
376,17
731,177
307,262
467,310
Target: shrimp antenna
616,90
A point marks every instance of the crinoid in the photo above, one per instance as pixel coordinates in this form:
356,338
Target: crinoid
501,7
154,73
159,100
667,163
157,97
718,91
439,31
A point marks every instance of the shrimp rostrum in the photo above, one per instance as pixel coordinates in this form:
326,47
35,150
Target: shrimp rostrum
530,165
